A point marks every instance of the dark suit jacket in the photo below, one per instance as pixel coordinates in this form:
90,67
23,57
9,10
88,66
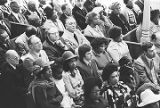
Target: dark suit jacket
14,19
120,21
63,18
87,71
53,51
80,15
11,87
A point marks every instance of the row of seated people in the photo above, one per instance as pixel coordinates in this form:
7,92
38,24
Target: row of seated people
36,75
75,80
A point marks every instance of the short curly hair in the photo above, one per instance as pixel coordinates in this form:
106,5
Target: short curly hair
115,32
97,42
108,70
90,16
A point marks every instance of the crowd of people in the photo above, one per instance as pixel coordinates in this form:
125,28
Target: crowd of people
75,56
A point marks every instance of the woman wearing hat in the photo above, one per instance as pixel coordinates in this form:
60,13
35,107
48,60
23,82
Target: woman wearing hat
72,77
44,91
118,94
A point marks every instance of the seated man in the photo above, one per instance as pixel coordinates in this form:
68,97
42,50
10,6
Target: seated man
53,45
72,35
22,40
148,64
35,52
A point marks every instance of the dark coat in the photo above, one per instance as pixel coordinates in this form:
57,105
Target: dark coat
80,15
12,87
120,22
49,97
63,18
53,51
88,71
14,19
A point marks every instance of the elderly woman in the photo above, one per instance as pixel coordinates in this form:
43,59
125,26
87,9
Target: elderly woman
72,77
43,89
92,30
117,48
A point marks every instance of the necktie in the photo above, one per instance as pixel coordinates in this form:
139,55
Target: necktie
75,37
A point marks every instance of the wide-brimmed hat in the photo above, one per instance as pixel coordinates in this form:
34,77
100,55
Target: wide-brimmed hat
68,55
148,97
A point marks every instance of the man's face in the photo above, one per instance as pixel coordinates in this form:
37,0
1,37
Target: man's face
15,8
151,52
36,44
14,59
80,3
88,56
117,10
71,25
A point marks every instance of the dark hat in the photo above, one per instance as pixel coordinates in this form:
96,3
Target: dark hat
108,70
67,55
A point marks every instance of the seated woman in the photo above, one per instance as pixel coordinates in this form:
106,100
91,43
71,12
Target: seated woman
72,77
117,48
57,70
93,30
43,89
92,96
100,55
118,94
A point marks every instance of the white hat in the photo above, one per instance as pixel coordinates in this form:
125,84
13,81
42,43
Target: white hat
148,97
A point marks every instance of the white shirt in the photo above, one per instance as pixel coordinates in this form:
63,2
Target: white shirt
117,50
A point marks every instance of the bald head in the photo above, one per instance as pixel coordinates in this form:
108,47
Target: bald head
12,57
